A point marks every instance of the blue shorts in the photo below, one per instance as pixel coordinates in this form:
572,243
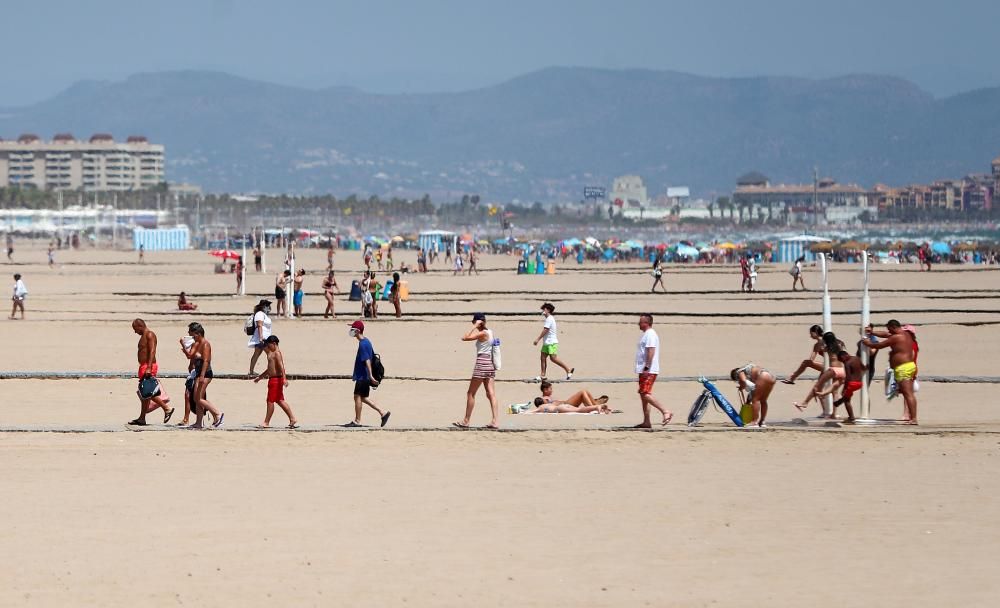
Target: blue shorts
297,298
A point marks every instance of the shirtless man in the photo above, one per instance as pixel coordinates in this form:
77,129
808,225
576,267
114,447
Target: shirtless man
276,383
280,283
901,360
147,365
816,333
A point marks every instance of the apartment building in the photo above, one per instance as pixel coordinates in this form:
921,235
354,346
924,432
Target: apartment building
66,163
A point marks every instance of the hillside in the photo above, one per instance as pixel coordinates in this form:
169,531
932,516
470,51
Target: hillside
542,136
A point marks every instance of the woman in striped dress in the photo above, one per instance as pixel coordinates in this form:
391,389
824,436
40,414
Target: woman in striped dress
483,374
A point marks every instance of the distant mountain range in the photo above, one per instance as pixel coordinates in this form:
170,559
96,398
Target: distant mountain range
542,136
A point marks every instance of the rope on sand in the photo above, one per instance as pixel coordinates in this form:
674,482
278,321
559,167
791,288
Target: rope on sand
83,375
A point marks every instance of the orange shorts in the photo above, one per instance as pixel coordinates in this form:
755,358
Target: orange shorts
646,382
152,369
275,390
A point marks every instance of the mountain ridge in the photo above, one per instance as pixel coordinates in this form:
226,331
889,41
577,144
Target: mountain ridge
539,136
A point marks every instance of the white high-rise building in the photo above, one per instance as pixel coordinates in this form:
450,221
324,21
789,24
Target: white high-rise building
66,163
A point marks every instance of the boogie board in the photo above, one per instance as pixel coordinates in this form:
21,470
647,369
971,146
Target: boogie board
699,407
722,402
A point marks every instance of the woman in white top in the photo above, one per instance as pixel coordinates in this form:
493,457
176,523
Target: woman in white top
483,374
20,292
262,329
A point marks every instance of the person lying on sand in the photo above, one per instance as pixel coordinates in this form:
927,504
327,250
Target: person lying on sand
579,402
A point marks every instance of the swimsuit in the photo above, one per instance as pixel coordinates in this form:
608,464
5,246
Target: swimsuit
275,390
646,382
905,371
145,367
852,387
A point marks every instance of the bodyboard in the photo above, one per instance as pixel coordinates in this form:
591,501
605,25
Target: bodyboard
722,402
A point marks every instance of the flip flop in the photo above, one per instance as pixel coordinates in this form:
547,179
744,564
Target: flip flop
490,427
385,419
136,422
167,415
788,381
459,425
218,422
352,425
292,426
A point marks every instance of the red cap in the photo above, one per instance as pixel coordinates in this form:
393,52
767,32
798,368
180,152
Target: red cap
358,325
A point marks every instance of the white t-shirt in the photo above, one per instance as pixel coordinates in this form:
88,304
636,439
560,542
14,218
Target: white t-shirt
551,337
649,339
259,335
19,289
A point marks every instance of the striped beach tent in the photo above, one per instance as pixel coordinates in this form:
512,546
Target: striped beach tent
789,249
161,239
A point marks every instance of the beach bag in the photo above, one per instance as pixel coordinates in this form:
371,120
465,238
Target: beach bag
495,352
378,370
250,327
149,387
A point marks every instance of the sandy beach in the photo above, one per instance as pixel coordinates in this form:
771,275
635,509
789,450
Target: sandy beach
574,512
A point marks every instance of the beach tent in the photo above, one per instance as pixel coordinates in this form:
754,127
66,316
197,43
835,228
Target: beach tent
941,248
161,239
442,239
789,249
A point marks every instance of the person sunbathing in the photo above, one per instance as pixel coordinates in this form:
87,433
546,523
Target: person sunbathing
580,402
183,304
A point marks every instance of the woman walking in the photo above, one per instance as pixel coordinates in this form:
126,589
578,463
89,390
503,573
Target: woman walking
261,331
483,374
329,284
394,294
200,355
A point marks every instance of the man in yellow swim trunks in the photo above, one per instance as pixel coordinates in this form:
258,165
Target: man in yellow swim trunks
902,360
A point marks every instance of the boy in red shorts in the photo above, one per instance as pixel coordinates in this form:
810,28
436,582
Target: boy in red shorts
276,383
854,370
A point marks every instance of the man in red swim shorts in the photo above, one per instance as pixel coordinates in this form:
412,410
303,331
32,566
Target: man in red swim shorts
647,365
276,383
147,365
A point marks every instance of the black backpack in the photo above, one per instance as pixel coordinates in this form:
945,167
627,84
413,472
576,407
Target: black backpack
250,326
378,370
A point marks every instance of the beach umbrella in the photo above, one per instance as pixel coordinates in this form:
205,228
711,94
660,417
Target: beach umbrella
941,248
592,241
821,247
398,239
687,250
727,246
852,245
225,254
661,247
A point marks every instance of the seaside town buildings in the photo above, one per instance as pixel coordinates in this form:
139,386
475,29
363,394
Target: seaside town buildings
826,201
65,163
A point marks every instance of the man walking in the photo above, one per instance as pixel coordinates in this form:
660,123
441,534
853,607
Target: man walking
647,365
147,366
550,343
363,377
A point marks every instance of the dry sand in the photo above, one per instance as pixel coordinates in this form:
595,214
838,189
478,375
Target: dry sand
572,515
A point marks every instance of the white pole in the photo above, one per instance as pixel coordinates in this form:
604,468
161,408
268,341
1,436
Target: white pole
114,220
827,326
243,269
263,250
290,283
866,309
60,233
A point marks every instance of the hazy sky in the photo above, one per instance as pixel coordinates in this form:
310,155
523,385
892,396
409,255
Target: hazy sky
423,45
